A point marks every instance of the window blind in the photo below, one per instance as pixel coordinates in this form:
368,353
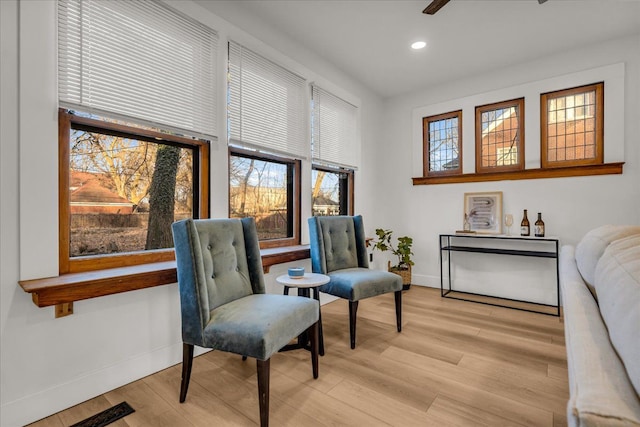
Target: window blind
137,59
267,107
333,125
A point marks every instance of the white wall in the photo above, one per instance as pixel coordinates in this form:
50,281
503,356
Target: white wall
50,364
570,206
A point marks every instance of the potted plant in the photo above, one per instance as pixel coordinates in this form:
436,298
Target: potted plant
402,250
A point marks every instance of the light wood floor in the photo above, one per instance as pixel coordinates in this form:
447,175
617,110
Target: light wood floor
455,363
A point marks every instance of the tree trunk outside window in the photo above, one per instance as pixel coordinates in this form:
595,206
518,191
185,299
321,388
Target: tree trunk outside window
162,198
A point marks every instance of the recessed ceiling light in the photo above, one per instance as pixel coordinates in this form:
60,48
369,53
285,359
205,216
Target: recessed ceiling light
418,45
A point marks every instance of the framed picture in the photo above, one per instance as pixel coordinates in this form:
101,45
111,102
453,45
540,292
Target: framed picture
484,211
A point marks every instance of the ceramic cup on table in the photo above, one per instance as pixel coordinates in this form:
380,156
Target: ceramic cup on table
296,272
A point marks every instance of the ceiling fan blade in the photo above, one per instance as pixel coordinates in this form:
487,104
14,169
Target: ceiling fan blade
435,6
541,1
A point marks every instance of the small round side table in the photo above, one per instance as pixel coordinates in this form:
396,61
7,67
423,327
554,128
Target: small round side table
305,284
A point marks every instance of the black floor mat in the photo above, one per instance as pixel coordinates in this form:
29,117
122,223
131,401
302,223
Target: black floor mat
107,416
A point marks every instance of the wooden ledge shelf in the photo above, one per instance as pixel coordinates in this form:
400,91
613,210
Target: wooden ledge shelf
275,256
604,169
63,290
90,284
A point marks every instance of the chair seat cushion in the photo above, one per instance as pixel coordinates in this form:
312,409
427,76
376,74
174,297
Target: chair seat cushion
259,325
355,284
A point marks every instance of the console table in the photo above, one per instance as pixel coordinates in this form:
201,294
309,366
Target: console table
495,244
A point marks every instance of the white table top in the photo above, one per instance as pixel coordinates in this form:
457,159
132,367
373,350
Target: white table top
309,280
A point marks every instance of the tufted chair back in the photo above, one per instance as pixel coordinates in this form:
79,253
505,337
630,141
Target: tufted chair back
224,305
338,249
222,259
341,243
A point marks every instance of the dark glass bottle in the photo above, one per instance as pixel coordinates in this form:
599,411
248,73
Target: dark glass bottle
539,226
524,225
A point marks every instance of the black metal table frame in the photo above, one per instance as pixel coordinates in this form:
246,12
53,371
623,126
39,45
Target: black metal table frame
303,339
449,248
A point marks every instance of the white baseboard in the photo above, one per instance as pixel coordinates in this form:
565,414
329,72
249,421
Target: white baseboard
60,397
425,280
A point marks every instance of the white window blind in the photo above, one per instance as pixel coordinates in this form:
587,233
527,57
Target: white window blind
266,105
137,59
333,129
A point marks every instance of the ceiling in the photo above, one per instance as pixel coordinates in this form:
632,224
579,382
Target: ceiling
369,39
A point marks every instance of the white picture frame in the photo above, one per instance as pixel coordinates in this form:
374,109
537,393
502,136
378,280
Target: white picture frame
484,211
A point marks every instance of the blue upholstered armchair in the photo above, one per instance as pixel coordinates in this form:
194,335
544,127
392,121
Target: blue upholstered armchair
223,300
338,250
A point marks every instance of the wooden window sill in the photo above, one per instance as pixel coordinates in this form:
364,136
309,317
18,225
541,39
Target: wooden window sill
67,288
604,169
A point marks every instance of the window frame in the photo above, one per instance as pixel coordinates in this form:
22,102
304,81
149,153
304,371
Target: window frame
519,104
426,144
293,184
598,159
349,198
68,121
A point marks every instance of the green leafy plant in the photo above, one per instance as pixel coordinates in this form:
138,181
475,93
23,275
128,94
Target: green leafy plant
402,249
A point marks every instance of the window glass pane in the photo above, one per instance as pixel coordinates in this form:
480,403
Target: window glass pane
443,145
574,116
500,136
261,189
506,156
125,193
330,192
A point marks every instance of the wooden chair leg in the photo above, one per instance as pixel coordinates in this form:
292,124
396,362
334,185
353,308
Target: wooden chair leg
263,368
399,310
315,343
187,362
316,296
353,309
